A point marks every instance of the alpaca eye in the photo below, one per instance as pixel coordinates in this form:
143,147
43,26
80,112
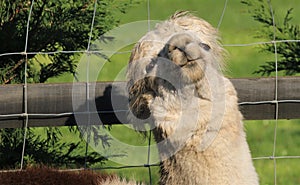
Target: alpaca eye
204,46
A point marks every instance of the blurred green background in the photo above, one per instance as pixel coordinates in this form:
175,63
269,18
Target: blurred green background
237,27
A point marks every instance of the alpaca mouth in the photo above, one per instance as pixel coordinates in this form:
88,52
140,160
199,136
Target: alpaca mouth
189,63
188,55
181,58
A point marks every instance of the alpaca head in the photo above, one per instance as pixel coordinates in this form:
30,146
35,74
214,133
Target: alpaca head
178,53
185,56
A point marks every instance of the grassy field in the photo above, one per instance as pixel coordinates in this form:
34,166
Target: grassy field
237,27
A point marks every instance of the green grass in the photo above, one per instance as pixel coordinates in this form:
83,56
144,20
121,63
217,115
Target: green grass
260,136
237,27
130,137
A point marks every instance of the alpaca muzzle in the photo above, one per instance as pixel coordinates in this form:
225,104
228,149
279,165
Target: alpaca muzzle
183,49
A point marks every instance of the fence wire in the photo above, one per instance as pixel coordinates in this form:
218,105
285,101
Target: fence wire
276,92
25,115
25,87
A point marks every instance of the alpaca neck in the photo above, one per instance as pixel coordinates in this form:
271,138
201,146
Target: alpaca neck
184,167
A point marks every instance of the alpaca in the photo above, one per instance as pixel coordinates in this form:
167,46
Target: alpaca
175,84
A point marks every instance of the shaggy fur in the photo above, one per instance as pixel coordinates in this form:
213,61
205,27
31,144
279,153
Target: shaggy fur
175,83
49,176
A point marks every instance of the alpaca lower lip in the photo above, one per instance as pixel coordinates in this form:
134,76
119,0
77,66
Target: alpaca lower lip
179,63
187,63
182,65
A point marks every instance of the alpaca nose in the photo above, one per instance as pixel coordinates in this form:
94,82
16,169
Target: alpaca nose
193,51
184,48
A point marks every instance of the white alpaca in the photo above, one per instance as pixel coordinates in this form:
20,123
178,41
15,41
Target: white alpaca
175,83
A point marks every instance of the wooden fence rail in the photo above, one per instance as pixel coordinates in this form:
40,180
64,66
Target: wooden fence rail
58,104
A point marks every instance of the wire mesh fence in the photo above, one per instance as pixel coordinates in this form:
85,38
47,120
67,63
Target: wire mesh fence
89,51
